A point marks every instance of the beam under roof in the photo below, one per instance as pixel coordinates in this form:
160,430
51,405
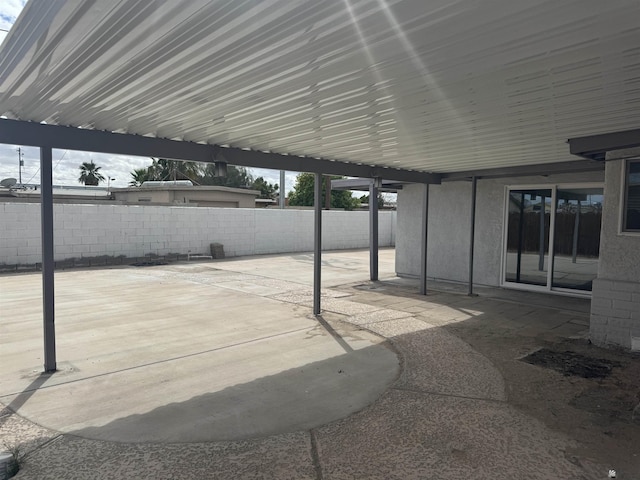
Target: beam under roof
595,147
527,170
62,137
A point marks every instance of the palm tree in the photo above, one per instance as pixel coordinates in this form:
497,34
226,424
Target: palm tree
164,169
139,176
90,174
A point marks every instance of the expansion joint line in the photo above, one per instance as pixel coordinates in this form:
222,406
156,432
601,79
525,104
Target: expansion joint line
42,446
448,395
315,455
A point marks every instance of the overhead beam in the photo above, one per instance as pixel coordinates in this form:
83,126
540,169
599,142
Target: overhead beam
596,146
19,132
574,166
363,184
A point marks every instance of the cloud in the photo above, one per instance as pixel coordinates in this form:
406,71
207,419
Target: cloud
9,11
66,165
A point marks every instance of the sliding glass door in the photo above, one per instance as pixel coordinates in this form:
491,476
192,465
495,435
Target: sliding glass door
527,258
576,245
552,237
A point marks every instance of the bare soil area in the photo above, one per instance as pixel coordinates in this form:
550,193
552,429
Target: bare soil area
587,392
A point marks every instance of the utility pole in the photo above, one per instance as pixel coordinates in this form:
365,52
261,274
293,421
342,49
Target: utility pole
20,164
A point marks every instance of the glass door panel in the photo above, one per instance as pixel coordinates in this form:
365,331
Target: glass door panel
576,237
527,258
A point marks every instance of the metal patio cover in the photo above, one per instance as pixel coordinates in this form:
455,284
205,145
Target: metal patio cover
430,85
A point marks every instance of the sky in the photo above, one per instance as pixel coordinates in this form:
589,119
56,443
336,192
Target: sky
66,162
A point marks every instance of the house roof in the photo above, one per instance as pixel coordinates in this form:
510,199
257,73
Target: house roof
434,86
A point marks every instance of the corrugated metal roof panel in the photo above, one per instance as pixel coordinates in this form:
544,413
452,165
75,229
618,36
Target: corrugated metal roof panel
435,86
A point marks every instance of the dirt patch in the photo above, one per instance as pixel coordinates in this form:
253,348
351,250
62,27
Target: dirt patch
149,263
571,363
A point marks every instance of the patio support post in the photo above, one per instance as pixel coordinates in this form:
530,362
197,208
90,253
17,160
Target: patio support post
373,228
474,186
281,189
317,242
423,249
46,222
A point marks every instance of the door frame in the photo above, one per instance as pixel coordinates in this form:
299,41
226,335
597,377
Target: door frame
548,288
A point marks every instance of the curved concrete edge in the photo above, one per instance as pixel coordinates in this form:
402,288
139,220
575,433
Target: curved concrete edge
437,361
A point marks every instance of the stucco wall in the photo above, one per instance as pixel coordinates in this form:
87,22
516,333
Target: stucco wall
134,231
615,305
449,226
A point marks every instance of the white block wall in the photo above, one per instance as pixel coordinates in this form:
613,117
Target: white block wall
135,231
615,312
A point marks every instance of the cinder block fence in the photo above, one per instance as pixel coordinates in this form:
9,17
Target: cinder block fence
103,232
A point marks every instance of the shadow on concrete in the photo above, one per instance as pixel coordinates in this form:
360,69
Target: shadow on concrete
331,331
24,396
296,399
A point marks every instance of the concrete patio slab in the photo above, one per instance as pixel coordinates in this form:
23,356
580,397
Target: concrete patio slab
384,384
155,356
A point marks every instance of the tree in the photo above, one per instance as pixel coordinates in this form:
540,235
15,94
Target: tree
90,174
199,173
237,177
267,190
302,194
139,176
365,199
164,169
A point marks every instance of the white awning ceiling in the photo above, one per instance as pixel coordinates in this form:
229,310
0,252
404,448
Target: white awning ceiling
435,85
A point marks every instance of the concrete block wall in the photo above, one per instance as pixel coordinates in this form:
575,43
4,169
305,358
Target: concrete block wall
135,231
615,301
615,312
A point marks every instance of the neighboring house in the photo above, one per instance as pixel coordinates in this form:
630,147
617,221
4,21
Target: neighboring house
150,193
61,194
184,192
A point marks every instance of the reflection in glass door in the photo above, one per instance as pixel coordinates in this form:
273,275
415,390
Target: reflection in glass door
527,258
561,223
576,246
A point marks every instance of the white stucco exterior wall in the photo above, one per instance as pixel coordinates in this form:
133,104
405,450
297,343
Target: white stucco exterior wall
134,231
615,303
449,226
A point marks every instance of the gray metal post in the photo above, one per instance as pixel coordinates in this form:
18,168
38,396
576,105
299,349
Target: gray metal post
423,247
373,229
576,231
46,203
542,234
281,187
474,186
317,243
